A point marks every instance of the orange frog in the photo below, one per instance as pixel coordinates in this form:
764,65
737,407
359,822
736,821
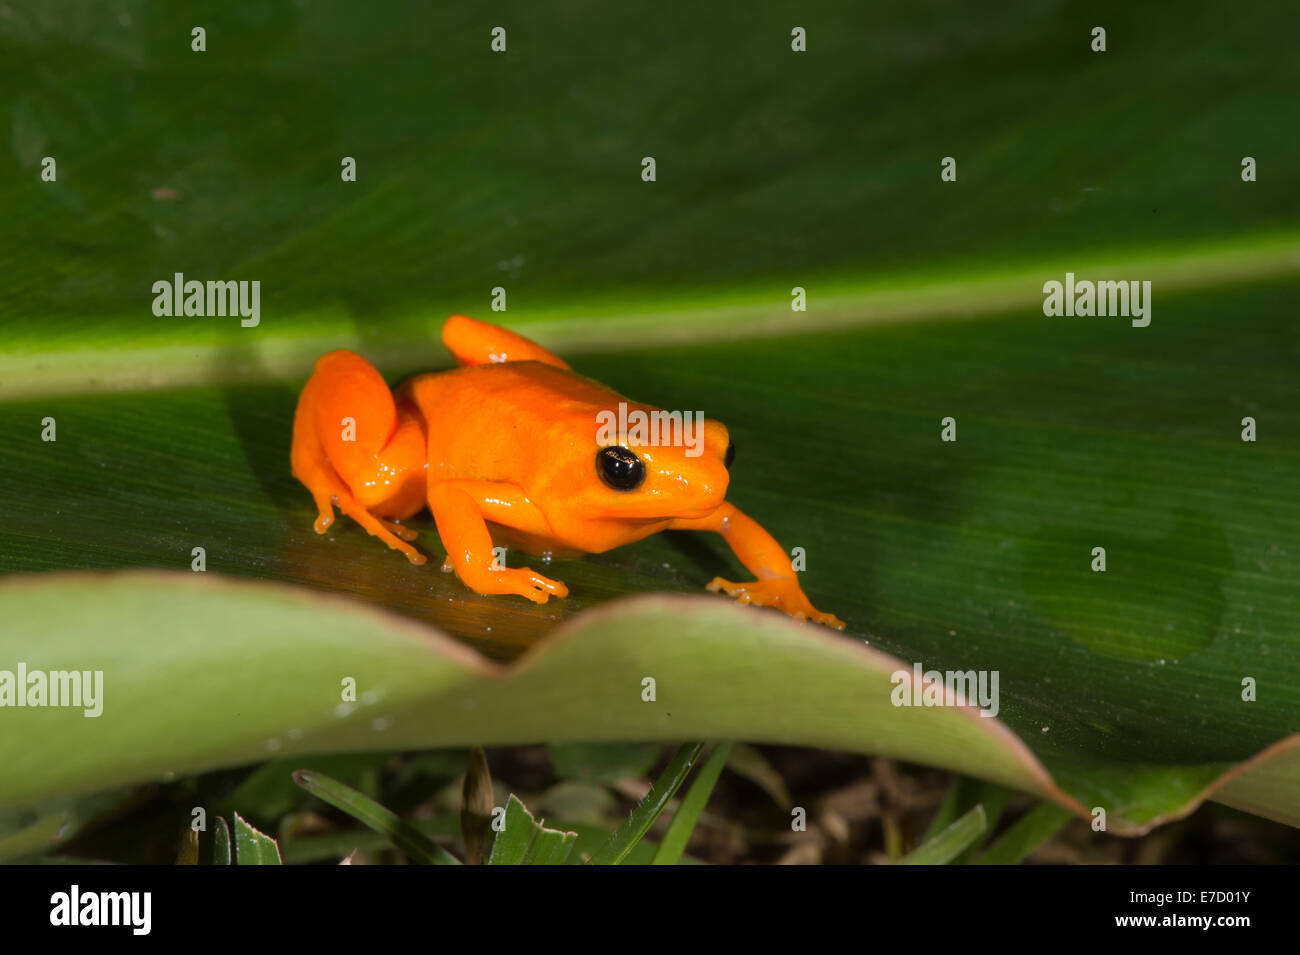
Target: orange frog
511,446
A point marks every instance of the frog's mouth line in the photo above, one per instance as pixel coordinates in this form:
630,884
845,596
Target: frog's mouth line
635,515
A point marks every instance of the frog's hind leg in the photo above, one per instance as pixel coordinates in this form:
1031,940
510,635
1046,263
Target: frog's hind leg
479,343
347,421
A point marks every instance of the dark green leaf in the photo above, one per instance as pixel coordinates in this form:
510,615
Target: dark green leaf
525,841
678,834
400,833
952,842
253,847
648,809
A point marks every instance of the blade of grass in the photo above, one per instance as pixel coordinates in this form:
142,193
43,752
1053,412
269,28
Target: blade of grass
620,843
950,843
419,847
688,813
994,800
1024,836
948,809
747,761
221,843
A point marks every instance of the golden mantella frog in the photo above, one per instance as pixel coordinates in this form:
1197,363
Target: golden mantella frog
515,446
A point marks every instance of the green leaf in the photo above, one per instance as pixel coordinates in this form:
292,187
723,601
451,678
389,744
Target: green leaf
151,633
253,847
1025,835
678,834
950,843
400,833
334,845
1123,690
221,843
269,791
748,762
648,809
525,841
964,794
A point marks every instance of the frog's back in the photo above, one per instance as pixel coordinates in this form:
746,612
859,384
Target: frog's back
496,421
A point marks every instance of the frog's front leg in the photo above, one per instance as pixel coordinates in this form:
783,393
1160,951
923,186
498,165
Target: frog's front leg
777,586
461,509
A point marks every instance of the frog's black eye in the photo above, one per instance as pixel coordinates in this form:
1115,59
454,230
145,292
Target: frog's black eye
620,468
731,455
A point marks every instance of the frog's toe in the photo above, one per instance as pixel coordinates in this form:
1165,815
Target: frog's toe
730,588
827,619
743,593
782,594
530,584
547,586
405,533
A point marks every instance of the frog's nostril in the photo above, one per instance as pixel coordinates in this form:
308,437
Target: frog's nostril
731,455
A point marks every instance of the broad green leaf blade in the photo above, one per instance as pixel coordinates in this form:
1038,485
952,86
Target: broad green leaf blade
648,809
1025,835
253,847
151,633
756,191
1072,433
952,842
114,365
525,841
1267,785
419,847
680,827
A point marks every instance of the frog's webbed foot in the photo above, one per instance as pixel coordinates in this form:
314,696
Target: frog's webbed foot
783,593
